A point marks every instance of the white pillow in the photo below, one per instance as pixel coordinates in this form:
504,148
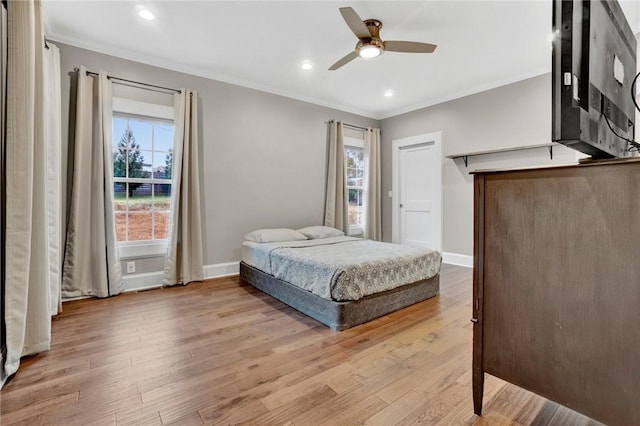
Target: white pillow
316,232
274,235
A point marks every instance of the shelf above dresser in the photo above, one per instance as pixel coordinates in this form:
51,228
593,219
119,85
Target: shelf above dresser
465,155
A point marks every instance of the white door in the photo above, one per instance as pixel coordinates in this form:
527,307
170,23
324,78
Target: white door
417,191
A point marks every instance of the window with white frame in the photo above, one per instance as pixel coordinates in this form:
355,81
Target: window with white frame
142,169
354,153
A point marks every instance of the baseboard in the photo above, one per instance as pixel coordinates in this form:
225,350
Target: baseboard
150,280
457,259
221,270
141,282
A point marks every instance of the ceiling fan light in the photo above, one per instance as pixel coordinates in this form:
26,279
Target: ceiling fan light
369,51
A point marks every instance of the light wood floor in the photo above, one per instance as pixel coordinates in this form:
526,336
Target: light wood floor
221,352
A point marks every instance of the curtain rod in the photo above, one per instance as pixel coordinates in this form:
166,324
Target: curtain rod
352,126
151,86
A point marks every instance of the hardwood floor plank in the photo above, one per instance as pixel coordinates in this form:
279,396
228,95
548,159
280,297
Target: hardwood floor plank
23,416
284,413
150,419
176,374
45,370
427,378
396,411
437,405
537,411
345,409
351,411
191,419
222,352
283,396
236,411
177,400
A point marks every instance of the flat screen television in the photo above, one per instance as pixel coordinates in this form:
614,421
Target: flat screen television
593,67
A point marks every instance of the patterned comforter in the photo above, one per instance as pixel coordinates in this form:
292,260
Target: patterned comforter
343,268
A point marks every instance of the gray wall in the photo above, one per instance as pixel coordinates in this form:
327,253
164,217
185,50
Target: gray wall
514,115
263,156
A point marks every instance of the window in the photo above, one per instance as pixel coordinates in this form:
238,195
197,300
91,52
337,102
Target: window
354,153
142,169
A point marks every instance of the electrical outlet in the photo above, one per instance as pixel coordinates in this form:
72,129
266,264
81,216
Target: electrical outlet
131,267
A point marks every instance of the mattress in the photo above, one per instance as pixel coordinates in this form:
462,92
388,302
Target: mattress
343,268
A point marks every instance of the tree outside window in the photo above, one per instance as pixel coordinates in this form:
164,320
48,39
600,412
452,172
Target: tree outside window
128,160
142,167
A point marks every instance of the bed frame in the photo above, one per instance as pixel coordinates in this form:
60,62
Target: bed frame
340,315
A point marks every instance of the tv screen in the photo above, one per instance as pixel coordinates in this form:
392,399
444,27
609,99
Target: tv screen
593,67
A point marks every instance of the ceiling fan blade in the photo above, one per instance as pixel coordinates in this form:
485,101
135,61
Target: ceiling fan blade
355,22
350,57
409,46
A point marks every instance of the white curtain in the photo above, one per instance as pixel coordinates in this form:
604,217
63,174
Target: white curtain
91,262
336,208
372,182
53,141
27,312
183,263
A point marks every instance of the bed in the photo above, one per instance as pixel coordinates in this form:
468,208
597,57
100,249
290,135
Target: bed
338,280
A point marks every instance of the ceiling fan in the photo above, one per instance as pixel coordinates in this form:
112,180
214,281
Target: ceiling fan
370,44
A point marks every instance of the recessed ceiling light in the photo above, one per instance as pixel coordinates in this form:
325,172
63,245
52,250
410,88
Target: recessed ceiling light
306,65
388,93
146,14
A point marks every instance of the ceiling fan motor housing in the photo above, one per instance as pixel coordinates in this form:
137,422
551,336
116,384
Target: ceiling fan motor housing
374,26
371,43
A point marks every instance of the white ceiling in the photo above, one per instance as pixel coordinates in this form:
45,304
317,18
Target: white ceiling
261,44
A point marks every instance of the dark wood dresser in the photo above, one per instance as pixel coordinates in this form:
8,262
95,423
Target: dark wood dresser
556,285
